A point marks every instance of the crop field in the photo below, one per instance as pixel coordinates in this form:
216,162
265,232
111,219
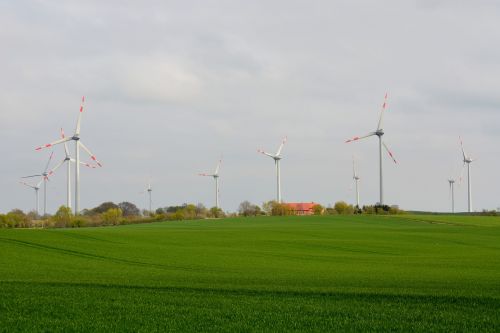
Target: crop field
325,273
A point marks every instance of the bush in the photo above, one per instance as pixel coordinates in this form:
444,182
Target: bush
112,216
318,209
279,209
78,222
15,219
63,217
248,209
330,211
341,207
267,207
215,212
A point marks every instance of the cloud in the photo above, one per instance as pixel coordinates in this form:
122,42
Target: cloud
170,86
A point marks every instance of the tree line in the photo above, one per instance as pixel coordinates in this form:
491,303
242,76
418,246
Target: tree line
110,213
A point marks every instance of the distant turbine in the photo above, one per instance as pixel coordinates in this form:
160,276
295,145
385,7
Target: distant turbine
356,179
276,157
67,159
36,188
379,132
468,161
451,181
78,144
149,190
215,175
45,177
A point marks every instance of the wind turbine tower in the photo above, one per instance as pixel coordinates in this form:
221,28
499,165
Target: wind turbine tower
78,144
379,132
356,179
150,192
452,193
467,161
277,158
215,175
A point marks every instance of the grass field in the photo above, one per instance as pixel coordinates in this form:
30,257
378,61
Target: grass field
343,273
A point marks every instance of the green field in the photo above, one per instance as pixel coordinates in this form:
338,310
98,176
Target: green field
331,273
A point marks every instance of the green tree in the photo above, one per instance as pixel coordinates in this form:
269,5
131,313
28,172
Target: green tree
267,207
318,209
189,211
3,221
112,215
215,212
248,209
104,207
344,208
63,217
16,219
279,209
128,209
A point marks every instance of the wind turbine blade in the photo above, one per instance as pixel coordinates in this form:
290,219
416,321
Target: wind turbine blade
48,145
32,176
389,152
356,138
462,146
281,146
90,153
205,175
48,162
264,153
88,165
218,167
78,122
461,175
66,151
56,167
384,106
26,184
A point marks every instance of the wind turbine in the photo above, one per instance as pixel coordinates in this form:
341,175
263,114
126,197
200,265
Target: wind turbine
78,144
451,181
45,177
215,175
379,132
356,179
67,159
468,161
149,190
276,157
36,188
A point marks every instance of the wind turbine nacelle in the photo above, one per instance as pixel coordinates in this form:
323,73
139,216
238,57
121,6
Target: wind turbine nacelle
75,137
379,132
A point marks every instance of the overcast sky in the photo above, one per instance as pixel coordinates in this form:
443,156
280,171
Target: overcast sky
171,86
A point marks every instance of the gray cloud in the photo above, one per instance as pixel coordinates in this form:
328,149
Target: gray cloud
171,86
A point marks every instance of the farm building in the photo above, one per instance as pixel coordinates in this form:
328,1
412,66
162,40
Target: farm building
301,208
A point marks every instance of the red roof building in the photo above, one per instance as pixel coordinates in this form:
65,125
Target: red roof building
301,208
